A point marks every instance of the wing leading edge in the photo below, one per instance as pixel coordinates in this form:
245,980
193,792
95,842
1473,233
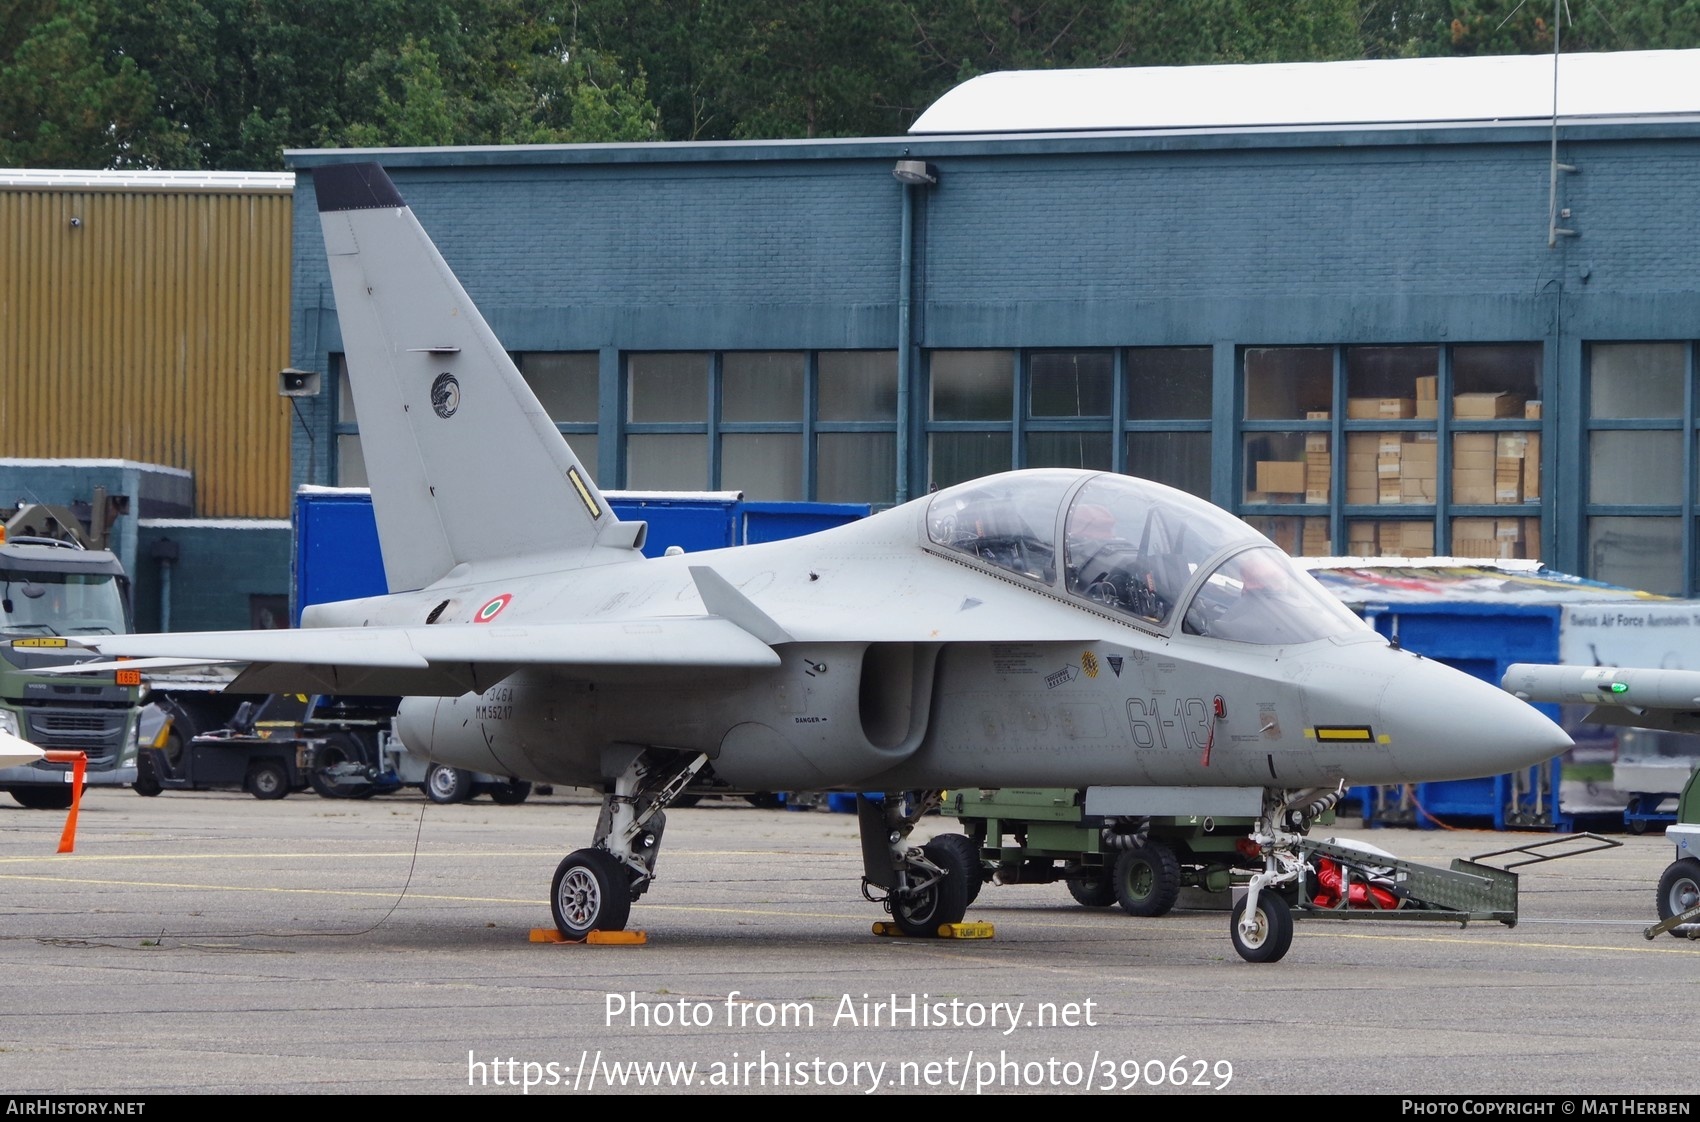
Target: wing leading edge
446,661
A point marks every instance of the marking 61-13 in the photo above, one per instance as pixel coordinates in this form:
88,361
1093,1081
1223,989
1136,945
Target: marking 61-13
1188,726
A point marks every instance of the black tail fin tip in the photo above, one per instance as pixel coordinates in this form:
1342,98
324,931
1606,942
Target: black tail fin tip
354,187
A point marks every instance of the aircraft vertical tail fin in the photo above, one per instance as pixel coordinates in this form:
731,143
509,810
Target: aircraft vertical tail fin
463,462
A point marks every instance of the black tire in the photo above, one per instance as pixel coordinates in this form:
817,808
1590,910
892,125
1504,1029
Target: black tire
448,785
267,779
1679,889
968,856
44,798
766,800
1093,888
941,903
338,748
1147,879
147,780
591,892
1274,932
688,798
510,794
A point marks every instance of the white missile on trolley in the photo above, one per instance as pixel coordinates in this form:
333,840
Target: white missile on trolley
1636,697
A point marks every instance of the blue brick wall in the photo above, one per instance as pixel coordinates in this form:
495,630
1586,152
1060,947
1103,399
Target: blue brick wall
222,564
1256,239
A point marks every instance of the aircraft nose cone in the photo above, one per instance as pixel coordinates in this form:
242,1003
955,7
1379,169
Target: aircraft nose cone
1446,724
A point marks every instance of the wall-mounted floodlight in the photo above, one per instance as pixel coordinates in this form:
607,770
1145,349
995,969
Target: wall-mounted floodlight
916,172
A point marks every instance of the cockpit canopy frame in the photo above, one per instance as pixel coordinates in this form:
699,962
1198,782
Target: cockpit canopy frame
1139,551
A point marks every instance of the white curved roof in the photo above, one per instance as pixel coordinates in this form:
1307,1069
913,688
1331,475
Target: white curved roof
1357,92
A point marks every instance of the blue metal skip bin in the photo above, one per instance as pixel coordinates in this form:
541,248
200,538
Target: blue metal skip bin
336,537
777,521
693,521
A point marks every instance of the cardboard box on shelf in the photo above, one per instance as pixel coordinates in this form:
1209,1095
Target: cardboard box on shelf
1532,410
1472,486
1532,469
1416,490
1416,539
1314,538
1428,387
1419,457
1380,408
1481,406
1474,451
1285,477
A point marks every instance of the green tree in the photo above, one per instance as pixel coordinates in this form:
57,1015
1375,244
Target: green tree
675,44
68,102
811,68
232,83
1410,28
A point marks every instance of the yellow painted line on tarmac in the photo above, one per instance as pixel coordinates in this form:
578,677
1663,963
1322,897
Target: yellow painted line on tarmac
339,854
391,894
1011,924
1642,945
456,854
383,894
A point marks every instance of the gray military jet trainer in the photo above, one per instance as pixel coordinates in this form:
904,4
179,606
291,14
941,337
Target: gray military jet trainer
1047,627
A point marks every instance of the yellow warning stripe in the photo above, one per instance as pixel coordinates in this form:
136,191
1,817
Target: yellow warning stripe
1354,733
590,503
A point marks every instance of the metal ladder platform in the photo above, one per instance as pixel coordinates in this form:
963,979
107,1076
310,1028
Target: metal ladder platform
1470,889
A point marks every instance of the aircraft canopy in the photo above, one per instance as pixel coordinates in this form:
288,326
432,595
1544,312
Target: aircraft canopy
1140,549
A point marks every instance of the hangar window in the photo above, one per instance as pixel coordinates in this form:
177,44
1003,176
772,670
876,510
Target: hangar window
1380,450
761,423
568,386
1640,414
856,427
1142,411
776,425
350,466
1167,438
667,421
971,414
1069,398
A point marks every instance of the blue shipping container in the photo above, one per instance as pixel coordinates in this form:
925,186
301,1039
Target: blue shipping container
336,537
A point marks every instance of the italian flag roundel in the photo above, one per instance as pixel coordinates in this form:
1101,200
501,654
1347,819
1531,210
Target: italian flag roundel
493,609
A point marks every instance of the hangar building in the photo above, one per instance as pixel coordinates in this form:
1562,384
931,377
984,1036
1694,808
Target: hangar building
1409,307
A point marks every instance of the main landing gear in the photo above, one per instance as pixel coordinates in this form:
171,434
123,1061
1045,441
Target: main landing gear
926,888
594,888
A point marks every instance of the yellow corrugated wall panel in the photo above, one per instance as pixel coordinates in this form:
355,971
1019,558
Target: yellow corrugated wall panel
150,326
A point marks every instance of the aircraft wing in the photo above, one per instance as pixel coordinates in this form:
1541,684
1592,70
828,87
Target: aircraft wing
443,660
15,750
1667,700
